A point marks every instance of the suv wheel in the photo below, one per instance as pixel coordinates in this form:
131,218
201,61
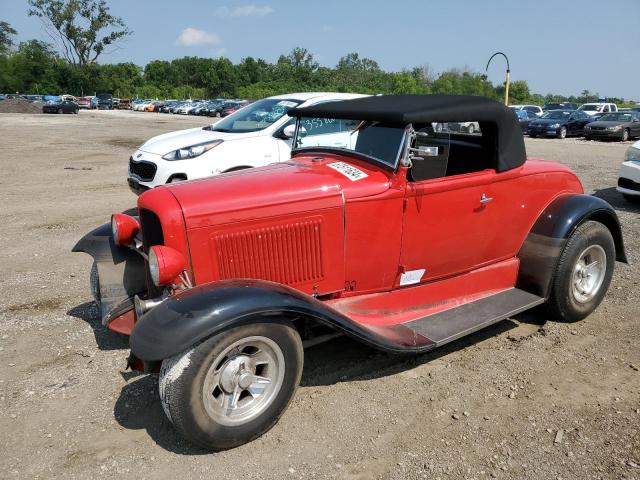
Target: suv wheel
583,273
234,386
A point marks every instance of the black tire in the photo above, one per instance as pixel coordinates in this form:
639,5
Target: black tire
218,114
533,135
94,283
59,111
471,129
587,137
563,304
76,111
562,133
182,383
631,198
625,135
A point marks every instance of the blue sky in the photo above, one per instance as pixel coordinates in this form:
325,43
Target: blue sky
557,46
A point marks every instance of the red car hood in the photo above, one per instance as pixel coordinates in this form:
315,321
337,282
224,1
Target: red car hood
309,182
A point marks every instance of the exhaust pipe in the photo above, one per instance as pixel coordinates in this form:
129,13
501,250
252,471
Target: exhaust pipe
143,306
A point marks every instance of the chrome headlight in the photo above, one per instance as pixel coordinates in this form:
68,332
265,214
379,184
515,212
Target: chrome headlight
192,151
154,267
632,155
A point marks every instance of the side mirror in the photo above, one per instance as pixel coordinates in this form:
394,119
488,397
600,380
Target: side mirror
289,131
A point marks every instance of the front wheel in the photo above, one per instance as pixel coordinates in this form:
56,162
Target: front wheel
471,129
533,135
563,132
584,272
234,386
625,135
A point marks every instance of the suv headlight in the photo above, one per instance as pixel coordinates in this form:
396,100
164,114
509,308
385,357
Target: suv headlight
192,151
632,155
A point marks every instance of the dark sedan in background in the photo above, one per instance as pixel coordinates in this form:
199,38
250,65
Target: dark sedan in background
560,124
62,106
617,125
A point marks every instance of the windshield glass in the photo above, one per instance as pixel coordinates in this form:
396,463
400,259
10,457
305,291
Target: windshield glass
256,116
589,108
556,114
616,117
370,139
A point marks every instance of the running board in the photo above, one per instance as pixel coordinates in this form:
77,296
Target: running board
449,325
431,331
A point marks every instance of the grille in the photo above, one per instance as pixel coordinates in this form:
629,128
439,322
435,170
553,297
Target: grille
628,183
289,253
144,170
151,229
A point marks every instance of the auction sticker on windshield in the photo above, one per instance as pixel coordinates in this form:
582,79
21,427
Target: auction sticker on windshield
349,171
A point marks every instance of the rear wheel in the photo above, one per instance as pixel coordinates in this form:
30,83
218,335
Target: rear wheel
584,272
234,386
59,111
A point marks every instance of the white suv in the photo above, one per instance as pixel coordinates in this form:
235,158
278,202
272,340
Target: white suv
598,108
629,178
254,136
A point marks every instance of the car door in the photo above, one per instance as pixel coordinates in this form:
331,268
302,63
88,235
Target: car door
446,225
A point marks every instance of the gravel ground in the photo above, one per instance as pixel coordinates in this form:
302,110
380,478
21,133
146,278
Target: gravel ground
524,399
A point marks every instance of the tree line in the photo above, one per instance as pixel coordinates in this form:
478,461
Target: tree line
69,65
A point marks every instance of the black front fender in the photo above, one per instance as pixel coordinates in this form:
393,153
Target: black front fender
541,250
121,271
193,315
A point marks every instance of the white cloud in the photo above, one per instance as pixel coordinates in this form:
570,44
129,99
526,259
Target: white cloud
244,11
192,37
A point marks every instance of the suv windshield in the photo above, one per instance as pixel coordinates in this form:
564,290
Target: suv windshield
556,114
373,140
256,116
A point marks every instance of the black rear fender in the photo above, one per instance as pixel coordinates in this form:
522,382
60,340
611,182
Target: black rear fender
187,318
121,271
541,250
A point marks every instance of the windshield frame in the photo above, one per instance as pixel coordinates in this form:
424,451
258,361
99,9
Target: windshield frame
352,153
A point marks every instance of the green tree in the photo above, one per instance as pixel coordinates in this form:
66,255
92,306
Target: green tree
81,28
6,37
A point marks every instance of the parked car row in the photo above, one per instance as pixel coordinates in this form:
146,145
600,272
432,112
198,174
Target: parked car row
218,107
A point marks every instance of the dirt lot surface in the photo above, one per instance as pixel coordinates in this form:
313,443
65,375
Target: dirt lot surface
524,399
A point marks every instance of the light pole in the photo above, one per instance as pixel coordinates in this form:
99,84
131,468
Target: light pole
506,83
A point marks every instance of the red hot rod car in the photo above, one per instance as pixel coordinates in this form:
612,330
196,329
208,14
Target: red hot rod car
380,227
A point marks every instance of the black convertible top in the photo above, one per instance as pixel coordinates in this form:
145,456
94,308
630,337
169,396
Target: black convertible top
497,121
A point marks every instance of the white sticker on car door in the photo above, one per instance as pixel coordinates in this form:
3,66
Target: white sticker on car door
411,277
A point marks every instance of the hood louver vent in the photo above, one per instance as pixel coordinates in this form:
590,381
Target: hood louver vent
290,253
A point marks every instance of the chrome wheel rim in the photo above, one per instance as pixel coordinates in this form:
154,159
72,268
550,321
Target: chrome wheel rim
588,273
563,132
243,381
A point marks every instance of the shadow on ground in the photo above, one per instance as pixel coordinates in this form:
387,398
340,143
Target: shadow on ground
105,338
341,360
617,201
